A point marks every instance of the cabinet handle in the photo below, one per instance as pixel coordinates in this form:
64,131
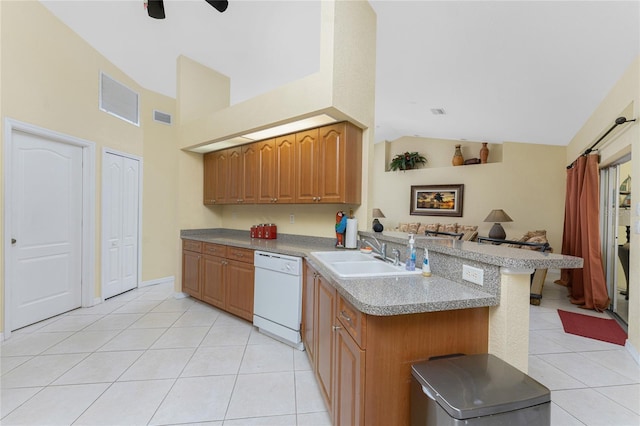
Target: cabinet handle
315,198
319,198
336,328
238,254
346,317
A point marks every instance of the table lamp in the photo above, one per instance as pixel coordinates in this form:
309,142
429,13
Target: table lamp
377,226
497,216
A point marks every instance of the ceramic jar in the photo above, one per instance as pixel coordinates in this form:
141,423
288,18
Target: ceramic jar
484,153
458,159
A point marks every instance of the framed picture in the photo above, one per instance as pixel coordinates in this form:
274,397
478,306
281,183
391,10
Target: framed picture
437,200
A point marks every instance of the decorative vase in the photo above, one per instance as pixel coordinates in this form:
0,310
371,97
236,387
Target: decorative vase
377,226
484,153
458,159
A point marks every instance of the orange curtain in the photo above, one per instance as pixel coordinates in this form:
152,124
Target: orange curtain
581,238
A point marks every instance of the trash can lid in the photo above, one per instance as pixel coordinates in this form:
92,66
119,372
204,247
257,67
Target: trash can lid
471,386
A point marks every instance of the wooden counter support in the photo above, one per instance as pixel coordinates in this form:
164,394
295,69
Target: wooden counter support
509,321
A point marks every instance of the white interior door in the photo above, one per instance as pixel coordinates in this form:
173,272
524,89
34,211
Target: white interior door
46,228
121,190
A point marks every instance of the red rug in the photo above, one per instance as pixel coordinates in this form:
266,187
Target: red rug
607,330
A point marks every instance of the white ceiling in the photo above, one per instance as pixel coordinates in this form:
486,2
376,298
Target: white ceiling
502,70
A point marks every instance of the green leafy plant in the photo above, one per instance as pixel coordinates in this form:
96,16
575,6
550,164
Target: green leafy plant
407,161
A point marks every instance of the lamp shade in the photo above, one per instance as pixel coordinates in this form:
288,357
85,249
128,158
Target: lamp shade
378,213
498,216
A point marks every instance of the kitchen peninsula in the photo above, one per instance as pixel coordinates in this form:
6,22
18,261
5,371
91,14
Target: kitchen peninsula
363,334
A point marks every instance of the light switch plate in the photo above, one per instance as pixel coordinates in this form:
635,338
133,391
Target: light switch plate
638,208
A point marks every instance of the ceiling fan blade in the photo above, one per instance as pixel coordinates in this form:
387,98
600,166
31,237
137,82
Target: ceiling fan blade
155,8
219,5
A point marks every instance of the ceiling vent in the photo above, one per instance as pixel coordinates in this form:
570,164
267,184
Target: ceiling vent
437,111
118,100
162,117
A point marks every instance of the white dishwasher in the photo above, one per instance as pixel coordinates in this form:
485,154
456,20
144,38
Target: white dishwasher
277,300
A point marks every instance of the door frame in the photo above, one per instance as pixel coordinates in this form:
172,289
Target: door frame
88,209
103,211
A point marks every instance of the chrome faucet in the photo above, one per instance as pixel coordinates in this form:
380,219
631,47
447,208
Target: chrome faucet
379,248
396,257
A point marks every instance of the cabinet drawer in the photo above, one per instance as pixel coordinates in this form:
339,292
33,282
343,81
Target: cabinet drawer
240,254
353,321
191,245
215,249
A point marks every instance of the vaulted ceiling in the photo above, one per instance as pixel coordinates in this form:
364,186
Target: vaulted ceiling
521,71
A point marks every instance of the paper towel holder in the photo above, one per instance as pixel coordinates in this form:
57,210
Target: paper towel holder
377,226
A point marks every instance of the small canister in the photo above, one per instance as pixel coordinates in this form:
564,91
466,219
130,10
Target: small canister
254,231
274,231
270,231
260,230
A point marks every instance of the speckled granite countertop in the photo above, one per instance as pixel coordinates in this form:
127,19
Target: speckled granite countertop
498,255
398,295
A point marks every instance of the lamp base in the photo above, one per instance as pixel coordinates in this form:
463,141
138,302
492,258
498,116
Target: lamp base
497,231
377,226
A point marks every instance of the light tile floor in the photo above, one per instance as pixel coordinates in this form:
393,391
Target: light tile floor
591,382
147,358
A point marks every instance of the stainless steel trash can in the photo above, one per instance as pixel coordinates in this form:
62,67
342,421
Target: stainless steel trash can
476,390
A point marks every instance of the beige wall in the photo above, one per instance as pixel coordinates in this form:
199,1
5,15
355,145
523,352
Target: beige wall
525,180
343,87
622,100
50,78
159,190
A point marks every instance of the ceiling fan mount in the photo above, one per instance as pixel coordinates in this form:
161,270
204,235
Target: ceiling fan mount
155,8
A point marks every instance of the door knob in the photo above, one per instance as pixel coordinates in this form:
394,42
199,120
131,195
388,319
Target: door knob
13,241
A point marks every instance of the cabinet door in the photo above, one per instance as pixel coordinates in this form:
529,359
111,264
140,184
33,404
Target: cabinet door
209,173
266,171
307,165
239,289
348,396
308,301
234,175
331,157
249,173
324,349
191,274
213,285
221,178
285,169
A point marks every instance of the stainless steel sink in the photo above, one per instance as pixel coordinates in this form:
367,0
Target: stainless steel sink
360,265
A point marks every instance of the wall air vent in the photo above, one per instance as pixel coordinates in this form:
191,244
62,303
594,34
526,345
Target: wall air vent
118,100
162,117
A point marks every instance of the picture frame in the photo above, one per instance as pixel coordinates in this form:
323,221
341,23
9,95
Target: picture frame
437,200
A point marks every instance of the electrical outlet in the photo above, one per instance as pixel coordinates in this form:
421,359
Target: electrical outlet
471,274
292,218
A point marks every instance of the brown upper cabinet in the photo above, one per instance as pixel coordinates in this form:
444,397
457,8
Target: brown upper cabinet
322,165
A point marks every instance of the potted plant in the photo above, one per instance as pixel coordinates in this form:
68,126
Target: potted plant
407,161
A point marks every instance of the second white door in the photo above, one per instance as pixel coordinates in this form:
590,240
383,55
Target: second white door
121,191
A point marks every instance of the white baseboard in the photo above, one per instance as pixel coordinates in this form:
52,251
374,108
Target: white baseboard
164,280
180,295
633,351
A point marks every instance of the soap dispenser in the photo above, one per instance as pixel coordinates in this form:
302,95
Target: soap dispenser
410,265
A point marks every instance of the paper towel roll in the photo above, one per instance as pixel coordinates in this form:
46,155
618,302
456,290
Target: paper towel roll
351,235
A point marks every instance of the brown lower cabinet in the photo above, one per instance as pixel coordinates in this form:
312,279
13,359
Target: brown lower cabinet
363,362
219,275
